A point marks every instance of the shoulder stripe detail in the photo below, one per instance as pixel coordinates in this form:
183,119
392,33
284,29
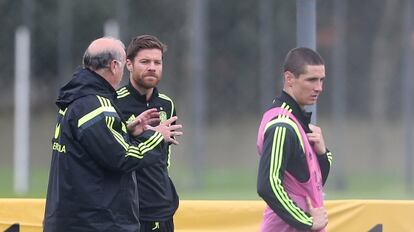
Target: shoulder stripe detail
122,95
104,101
286,107
277,187
163,96
122,92
101,100
288,121
106,110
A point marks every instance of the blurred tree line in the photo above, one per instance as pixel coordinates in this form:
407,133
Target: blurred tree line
363,44
61,30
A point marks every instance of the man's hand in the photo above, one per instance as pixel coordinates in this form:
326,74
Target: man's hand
146,118
319,215
167,130
316,139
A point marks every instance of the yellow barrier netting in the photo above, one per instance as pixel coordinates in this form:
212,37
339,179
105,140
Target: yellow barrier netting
240,216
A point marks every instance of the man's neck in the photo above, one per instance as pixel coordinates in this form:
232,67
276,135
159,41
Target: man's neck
143,91
148,93
290,93
107,76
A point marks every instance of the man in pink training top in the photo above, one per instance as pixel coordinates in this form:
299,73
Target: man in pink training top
294,161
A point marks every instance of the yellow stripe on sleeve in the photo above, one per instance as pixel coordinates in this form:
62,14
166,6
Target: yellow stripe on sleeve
277,187
95,113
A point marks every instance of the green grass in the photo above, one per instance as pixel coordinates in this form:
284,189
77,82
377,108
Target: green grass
371,186
37,183
234,184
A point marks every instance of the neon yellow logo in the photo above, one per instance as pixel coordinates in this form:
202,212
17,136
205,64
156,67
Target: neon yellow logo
57,147
156,226
163,116
57,130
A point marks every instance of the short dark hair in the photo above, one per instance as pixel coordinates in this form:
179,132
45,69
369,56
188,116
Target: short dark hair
144,42
297,59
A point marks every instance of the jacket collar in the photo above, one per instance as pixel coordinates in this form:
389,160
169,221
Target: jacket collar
142,97
304,117
84,82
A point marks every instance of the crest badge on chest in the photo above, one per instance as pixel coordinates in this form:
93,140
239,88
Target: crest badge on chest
163,116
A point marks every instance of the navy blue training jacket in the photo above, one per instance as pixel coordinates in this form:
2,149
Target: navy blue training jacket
92,185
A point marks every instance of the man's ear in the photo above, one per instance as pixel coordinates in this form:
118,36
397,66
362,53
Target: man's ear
111,67
288,77
129,65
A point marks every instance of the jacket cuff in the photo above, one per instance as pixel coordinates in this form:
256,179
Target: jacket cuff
323,156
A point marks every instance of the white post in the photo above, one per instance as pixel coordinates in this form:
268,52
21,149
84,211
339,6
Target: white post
306,34
111,29
21,110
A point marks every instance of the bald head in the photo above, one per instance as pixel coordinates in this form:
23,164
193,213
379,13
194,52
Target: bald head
101,52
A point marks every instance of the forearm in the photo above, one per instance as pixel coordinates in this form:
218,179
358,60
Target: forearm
325,161
116,151
284,207
270,186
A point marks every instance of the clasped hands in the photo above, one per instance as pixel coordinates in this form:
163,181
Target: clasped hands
150,117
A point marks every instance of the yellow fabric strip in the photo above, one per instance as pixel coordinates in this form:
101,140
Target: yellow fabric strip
100,100
329,154
63,112
116,134
95,113
122,95
156,141
107,102
289,122
146,146
122,90
278,189
150,141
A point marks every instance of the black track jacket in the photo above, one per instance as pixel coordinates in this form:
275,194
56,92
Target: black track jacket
91,184
158,199
292,159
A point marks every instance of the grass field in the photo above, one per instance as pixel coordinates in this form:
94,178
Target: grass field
231,161
233,185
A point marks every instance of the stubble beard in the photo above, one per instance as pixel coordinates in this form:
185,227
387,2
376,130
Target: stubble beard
148,84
